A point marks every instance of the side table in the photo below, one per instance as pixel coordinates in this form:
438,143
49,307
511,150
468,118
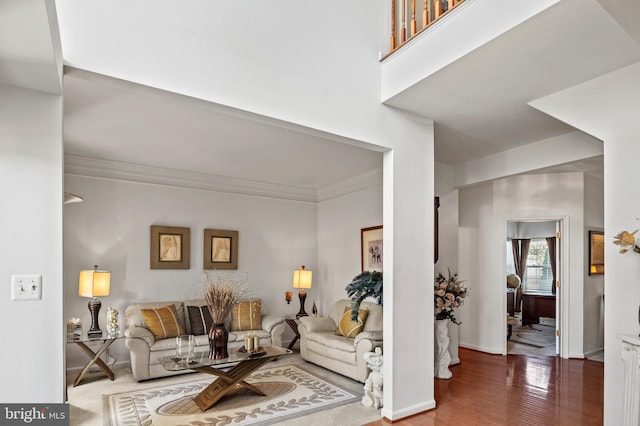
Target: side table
94,357
293,325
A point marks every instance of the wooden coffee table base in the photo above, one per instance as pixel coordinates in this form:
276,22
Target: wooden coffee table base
227,380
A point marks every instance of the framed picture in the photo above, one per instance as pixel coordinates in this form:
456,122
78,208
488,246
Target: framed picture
596,253
220,249
169,247
371,248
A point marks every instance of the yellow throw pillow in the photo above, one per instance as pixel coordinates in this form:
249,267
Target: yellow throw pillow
350,328
163,322
246,316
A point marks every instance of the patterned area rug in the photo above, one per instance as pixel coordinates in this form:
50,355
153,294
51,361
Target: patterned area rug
291,392
535,339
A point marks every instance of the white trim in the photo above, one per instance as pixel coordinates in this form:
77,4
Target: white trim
115,170
479,348
593,353
351,185
409,411
562,296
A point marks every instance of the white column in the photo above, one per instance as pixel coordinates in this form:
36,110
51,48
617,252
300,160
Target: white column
631,396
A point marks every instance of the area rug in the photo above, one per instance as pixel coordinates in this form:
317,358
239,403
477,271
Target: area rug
535,335
291,392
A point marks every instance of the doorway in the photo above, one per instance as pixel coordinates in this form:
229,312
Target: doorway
533,268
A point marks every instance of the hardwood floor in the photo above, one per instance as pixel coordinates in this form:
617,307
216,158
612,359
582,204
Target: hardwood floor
515,390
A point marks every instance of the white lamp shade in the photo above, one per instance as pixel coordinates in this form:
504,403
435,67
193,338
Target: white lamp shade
94,283
302,278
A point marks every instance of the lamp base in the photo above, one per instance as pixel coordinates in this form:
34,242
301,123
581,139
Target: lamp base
94,309
302,295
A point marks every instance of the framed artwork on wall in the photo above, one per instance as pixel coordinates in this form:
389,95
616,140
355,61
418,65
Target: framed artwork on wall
169,247
220,249
371,248
596,253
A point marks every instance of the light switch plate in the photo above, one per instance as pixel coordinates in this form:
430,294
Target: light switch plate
26,287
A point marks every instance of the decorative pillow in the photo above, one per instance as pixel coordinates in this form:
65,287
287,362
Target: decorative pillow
200,319
350,328
246,315
163,322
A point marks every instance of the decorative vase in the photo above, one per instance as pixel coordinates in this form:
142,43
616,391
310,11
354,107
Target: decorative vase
442,355
218,339
113,329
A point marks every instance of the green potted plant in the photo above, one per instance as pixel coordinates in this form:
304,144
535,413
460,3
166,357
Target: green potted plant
363,285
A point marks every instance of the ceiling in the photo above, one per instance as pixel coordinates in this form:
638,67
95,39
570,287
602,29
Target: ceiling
479,103
115,120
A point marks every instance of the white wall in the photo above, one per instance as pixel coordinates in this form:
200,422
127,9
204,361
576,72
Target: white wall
339,223
484,211
31,184
482,314
593,284
448,237
111,228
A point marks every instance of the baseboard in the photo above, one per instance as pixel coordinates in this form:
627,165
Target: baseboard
594,352
409,411
478,348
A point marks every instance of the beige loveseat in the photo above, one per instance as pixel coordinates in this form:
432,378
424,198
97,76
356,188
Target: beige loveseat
320,345
145,351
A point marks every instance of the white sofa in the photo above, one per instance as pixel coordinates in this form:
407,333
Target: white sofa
145,351
320,345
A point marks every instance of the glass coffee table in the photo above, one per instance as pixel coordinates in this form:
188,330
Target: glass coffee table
229,371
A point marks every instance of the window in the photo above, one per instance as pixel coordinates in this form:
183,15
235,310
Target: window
538,277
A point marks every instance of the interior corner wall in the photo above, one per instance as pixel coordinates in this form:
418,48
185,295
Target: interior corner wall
447,237
111,228
484,210
593,284
31,184
339,248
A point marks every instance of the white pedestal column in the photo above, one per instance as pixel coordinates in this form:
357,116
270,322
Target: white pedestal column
631,396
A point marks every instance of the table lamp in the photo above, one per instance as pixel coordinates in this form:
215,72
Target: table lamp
94,283
302,279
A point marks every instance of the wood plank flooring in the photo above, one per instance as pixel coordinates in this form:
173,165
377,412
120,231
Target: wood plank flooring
515,390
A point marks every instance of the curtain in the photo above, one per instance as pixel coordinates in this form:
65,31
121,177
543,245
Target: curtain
520,253
551,244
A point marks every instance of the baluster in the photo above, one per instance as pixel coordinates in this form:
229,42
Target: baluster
414,28
438,10
403,29
425,13
393,24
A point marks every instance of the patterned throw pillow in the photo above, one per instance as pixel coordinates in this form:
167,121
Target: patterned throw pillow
246,316
163,322
350,328
200,319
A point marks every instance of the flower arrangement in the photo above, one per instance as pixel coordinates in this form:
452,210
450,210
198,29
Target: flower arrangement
221,292
449,293
627,241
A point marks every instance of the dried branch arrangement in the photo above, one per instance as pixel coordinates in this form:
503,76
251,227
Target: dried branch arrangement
222,290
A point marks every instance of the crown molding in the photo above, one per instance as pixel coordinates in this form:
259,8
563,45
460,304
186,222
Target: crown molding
106,169
115,170
351,185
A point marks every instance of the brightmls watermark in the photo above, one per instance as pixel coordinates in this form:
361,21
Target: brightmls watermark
34,414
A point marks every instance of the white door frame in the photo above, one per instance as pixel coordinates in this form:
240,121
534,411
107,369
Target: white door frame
562,299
